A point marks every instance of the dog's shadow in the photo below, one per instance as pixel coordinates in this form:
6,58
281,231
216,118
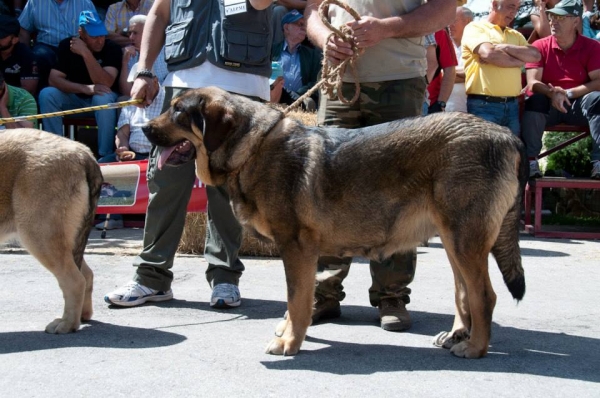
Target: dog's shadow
512,350
104,335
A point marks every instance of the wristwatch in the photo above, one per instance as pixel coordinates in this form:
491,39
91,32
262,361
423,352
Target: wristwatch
442,104
569,94
144,73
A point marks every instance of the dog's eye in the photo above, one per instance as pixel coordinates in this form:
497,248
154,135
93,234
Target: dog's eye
176,115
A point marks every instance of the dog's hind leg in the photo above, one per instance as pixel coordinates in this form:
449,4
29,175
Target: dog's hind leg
470,259
462,316
87,311
300,267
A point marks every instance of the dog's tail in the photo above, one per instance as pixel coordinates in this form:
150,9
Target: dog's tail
506,250
94,182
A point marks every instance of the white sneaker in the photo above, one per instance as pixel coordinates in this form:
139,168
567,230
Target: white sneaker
133,294
112,224
225,295
534,169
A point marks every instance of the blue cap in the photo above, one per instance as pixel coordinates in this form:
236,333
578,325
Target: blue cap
92,23
276,71
291,17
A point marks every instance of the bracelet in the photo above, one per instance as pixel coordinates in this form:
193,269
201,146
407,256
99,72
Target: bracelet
145,73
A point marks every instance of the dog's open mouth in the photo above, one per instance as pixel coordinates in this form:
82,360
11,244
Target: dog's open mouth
177,154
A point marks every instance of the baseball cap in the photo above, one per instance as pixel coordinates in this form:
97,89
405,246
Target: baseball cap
291,17
92,23
9,25
567,7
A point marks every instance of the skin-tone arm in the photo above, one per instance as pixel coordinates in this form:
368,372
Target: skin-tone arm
124,85
432,63
122,141
98,74
153,40
558,95
297,4
368,31
507,55
540,22
447,83
24,36
5,114
59,80
459,75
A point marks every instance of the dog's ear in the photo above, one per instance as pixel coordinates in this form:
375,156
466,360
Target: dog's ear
218,123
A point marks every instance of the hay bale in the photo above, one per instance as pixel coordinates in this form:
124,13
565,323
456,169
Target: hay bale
194,232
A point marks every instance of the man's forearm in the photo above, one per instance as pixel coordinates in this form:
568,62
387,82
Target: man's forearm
67,86
447,84
429,17
523,53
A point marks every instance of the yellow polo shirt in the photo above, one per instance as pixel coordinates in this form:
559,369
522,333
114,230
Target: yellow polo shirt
487,79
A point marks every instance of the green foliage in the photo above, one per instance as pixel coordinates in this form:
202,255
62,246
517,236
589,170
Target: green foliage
558,219
574,159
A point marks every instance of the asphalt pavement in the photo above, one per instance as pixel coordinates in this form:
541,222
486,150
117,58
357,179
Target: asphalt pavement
544,346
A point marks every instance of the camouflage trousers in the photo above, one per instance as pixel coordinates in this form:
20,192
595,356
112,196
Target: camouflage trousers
378,103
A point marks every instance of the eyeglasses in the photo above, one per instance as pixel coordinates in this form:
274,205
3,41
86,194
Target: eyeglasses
558,18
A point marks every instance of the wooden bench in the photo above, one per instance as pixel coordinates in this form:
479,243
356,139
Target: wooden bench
535,187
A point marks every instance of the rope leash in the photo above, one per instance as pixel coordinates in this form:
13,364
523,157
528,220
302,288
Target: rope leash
112,105
332,77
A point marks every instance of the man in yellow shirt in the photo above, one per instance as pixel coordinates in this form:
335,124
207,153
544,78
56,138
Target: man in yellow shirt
493,55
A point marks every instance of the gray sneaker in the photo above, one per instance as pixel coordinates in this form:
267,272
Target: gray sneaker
133,294
393,314
225,295
534,169
596,170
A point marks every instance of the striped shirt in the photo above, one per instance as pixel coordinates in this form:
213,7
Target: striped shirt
119,14
136,118
159,68
21,103
53,21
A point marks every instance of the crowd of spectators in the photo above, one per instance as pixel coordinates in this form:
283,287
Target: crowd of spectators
475,66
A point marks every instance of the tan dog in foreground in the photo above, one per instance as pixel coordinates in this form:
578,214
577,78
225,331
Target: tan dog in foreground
49,188
366,192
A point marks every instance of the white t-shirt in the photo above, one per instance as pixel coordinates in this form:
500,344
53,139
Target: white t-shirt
207,74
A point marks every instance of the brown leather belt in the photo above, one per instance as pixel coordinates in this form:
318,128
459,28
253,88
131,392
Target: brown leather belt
489,98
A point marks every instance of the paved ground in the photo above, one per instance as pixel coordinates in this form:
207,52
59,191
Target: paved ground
547,346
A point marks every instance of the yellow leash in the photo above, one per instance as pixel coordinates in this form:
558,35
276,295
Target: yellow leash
112,105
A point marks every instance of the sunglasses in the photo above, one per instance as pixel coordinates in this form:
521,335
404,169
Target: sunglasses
558,18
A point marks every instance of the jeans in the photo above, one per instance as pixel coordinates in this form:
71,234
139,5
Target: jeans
540,113
504,114
54,100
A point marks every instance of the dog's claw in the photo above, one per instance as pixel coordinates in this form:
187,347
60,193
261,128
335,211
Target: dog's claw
450,339
279,346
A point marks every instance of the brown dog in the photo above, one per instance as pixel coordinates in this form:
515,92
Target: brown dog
49,188
369,192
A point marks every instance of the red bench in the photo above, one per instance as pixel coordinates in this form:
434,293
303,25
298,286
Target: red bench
535,187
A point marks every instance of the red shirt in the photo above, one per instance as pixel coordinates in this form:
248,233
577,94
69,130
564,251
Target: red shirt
446,57
567,69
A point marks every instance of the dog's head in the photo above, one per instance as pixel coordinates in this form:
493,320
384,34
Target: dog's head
216,127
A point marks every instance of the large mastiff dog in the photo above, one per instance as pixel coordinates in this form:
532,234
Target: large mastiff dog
365,192
49,188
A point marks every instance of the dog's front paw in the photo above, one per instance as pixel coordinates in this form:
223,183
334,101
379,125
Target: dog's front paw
59,326
467,349
279,346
